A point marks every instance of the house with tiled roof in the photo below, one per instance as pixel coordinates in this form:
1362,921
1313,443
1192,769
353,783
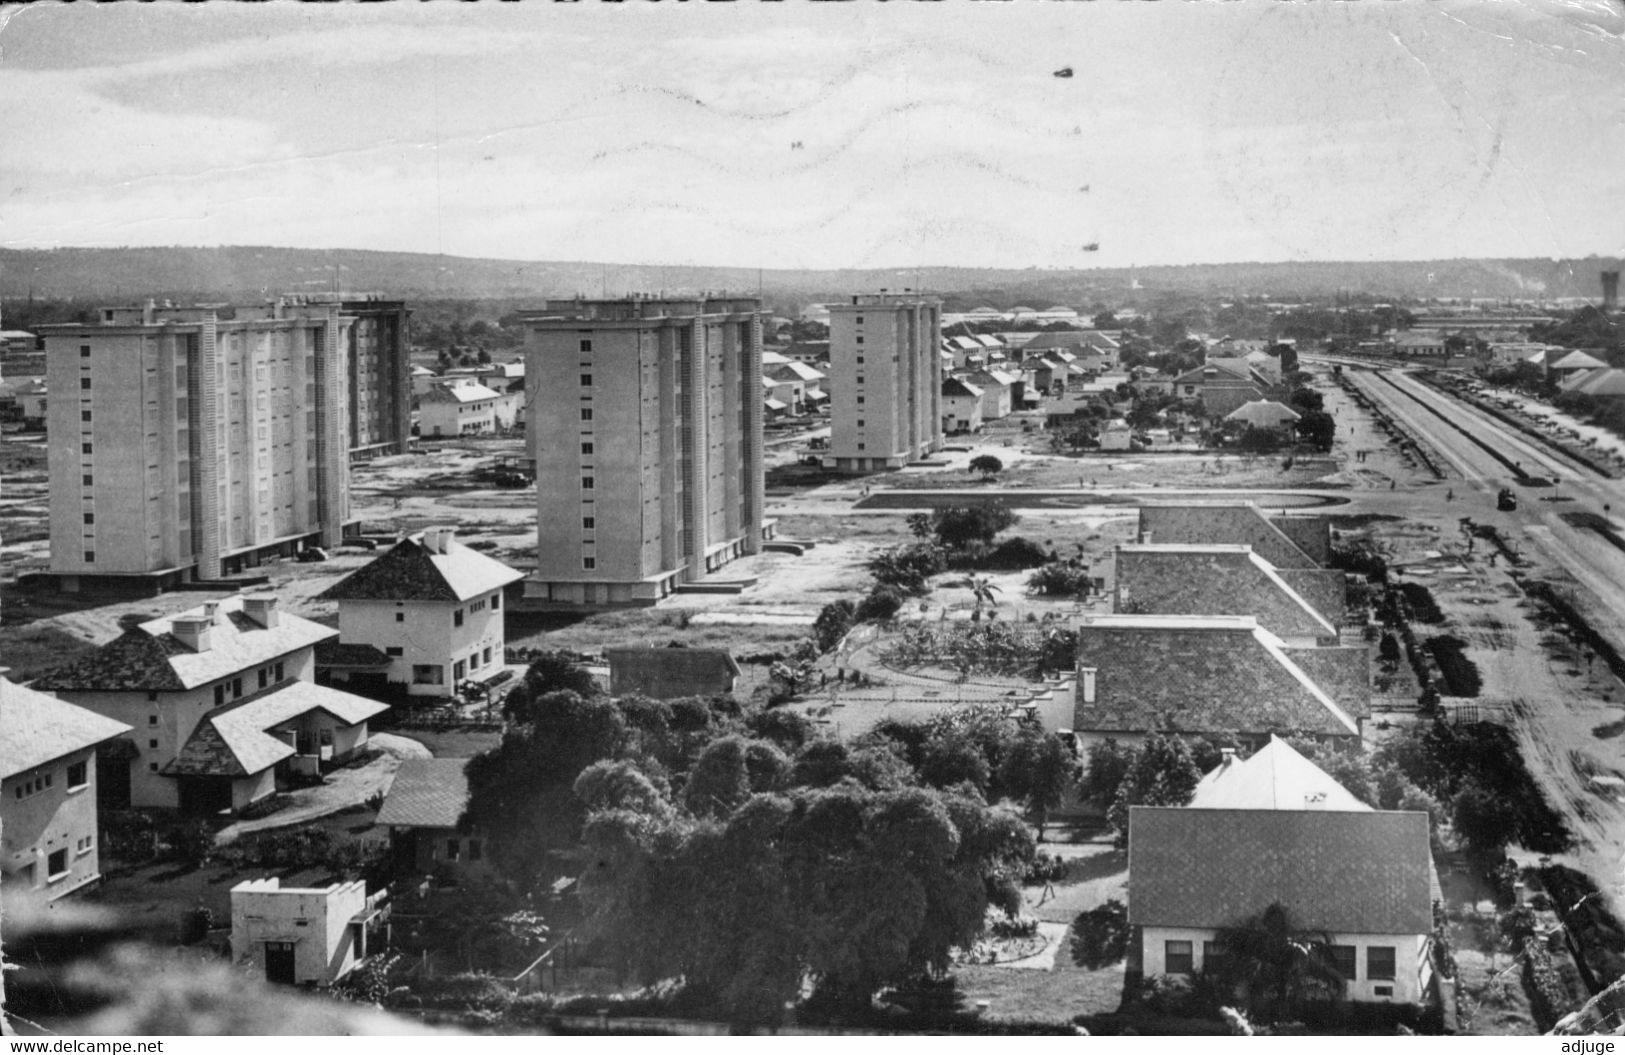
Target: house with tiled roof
1287,542
1197,675
1224,385
1275,777
48,819
422,809
425,615
1276,830
998,392
669,673
222,704
961,406
1264,414
1220,579
458,406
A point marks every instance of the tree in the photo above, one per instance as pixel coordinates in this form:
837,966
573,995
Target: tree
1060,579
882,603
982,590
959,526
1106,764
833,622
1317,428
986,464
483,358
1278,967
908,567
1162,773
550,672
729,771
1037,770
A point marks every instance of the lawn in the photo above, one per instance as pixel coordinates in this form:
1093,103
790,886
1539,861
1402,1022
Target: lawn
1023,995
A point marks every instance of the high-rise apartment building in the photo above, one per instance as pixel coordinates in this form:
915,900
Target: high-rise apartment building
379,368
885,380
645,420
187,443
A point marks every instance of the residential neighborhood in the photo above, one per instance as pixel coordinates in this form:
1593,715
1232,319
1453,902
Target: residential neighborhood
886,521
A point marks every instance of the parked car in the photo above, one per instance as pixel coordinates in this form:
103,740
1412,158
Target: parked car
312,554
1505,500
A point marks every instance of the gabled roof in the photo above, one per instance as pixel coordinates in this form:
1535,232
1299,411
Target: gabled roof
992,377
412,571
773,359
236,741
1602,382
1264,412
1275,777
150,657
1197,674
1091,340
1343,872
1578,360
953,386
36,728
458,394
1226,579
341,654
427,793
423,371
798,371
1229,522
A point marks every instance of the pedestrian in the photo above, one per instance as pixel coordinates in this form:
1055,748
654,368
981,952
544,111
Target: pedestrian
1450,495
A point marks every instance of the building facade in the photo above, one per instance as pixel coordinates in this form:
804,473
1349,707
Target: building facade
303,935
48,821
645,422
431,612
186,444
885,379
379,371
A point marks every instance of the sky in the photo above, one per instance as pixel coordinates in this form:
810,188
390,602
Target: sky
797,133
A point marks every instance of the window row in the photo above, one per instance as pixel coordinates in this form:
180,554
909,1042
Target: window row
1380,960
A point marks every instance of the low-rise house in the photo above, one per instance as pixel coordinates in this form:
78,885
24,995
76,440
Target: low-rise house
24,401
1223,386
1603,383
304,935
791,383
1194,674
1570,365
667,673
1414,343
1276,831
48,809
426,615
422,810
458,406
223,705
500,377
1265,414
1222,579
961,406
998,392
1116,435
1287,542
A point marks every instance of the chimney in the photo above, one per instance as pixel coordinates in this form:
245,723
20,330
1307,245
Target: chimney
438,540
1227,756
210,609
261,608
148,312
192,631
1087,676
1610,291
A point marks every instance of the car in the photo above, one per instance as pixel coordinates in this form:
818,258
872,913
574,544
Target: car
1505,500
312,555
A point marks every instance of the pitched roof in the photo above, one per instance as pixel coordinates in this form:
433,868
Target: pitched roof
1343,872
1275,777
1265,412
1228,579
1605,381
149,657
427,793
667,672
36,728
799,371
953,386
1226,522
340,654
1197,674
411,571
235,741
1578,360
459,393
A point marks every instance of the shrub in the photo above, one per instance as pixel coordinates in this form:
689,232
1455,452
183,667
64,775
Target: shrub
986,464
1460,673
1100,935
882,604
833,622
1014,554
195,925
958,526
463,992
190,842
908,567
1059,579
1424,609
1045,868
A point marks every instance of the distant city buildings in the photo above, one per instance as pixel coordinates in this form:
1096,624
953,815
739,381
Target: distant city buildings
189,443
886,398
645,422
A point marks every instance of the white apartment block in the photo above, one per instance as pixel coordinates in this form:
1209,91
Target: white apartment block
645,421
885,381
185,445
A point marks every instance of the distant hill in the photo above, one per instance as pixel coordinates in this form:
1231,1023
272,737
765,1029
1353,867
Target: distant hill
245,273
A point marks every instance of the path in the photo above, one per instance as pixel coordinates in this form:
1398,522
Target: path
344,788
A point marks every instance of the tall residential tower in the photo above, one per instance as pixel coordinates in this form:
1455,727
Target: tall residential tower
187,443
645,421
885,380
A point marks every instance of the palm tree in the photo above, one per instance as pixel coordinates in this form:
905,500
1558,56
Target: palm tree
982,591
1275,966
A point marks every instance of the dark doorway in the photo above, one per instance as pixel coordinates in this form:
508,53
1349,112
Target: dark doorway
279,962
204,797
112,783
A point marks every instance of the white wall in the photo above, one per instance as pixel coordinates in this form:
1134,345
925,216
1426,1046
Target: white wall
1411,965
50,819
316,920
425,634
